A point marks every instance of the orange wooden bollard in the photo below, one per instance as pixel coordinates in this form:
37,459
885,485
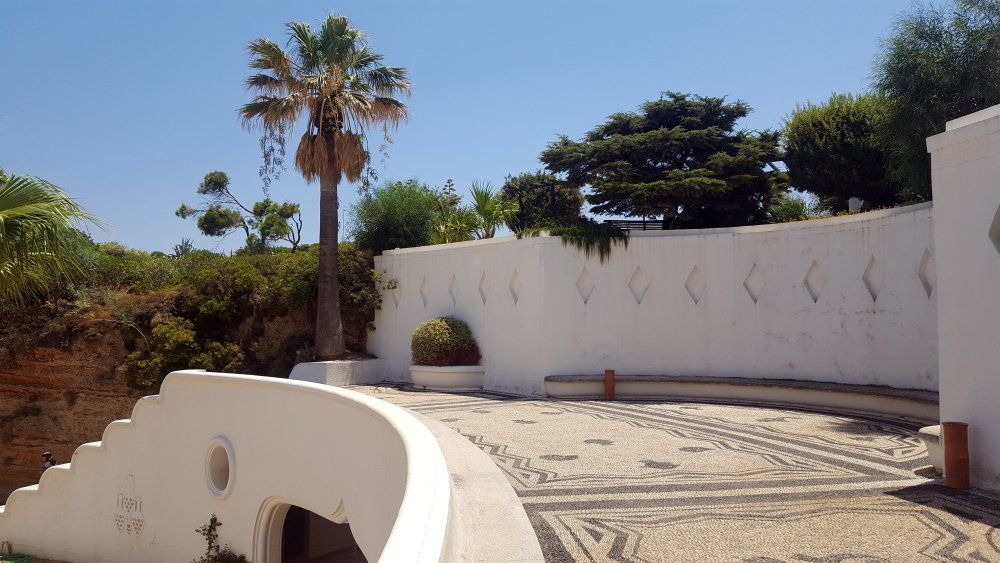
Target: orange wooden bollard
609,385
956,454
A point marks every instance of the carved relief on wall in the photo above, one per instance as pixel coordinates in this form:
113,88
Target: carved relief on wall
128,508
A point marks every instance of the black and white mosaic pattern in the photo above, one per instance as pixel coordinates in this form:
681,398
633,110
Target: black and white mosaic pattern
670,481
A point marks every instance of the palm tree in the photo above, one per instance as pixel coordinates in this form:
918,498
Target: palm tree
36,238
491,209
333,78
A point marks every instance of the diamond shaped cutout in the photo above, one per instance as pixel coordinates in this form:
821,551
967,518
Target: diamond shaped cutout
585,285
927,272
423,291
695,285
814,281
515,286
754,283
638,284
453,290
872,278
995,230
484,287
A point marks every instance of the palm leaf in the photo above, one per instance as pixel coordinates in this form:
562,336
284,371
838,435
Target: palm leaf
36,219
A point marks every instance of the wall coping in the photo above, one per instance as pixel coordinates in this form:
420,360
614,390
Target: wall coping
747,229
966,128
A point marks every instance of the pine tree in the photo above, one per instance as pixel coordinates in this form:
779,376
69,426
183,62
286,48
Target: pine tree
680,158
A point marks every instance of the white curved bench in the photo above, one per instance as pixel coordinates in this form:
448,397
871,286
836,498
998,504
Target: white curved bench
910,403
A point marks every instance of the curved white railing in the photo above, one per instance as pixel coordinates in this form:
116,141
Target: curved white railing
139,494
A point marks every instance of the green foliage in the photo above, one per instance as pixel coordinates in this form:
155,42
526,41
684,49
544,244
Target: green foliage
263,223
221,304
37,224
395,215
492,210
679,157
174,345
453,223
214,553
111,265
183,248
360,285
585,234
941,62
836,151
541,197
793,206
444,341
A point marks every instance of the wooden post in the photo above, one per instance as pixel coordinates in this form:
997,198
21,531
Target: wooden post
609,385
956,454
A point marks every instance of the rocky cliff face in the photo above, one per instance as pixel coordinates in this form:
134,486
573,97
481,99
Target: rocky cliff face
56,396
62,374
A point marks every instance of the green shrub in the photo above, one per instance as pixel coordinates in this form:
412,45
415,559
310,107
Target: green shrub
444,341
396,215
174,346
111,265
835,151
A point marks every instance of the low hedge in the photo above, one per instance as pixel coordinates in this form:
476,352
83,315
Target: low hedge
444,341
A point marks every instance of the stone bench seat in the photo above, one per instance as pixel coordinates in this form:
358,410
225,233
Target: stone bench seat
910,403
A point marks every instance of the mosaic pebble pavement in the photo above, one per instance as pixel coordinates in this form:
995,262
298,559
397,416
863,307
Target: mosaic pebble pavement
673,481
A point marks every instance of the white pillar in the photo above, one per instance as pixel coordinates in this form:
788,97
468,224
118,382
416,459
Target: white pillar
965,162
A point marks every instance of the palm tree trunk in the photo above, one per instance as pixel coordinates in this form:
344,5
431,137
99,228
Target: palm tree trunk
329,327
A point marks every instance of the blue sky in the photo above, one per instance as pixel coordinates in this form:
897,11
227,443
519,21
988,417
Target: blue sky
127,104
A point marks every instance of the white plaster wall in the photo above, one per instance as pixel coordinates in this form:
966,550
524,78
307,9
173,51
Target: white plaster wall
335,452
843,336
966,179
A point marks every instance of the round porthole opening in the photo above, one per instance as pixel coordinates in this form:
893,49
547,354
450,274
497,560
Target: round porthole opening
219,466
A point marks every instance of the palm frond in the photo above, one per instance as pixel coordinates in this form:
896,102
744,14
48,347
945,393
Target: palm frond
271,111
332,75
266,83
307,46
268,55
36,220
388,80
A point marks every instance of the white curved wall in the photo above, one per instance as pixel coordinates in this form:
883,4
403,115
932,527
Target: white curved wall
139,494
574,315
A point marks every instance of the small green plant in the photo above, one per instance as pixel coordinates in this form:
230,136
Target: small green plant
584,234
214,553
444,341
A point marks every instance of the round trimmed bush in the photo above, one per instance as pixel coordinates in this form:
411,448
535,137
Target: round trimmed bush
444,341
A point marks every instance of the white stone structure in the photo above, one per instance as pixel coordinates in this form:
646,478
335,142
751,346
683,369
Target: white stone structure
846,300
245,448
966,177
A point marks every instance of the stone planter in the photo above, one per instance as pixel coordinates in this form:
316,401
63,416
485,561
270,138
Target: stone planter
447,378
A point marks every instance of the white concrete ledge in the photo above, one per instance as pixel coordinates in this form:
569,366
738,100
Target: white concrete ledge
340,372
931,437
920,405
488,521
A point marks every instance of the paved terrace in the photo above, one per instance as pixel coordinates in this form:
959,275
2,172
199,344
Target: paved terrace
671,481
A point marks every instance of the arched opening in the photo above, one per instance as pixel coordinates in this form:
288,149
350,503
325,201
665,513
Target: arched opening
296,535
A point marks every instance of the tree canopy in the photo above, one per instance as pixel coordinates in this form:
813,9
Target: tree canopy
541,197
395,215
940,63
836,151
263,223
679,157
